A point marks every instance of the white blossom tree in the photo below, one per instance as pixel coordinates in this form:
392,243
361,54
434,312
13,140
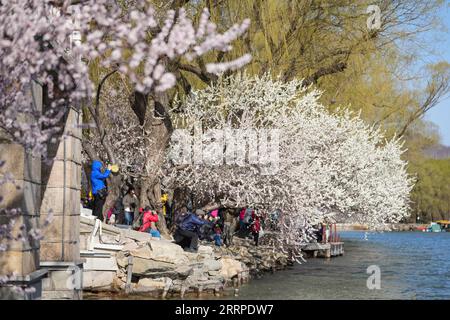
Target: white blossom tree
329,166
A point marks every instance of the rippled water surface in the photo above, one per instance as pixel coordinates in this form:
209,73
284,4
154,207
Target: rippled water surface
414,265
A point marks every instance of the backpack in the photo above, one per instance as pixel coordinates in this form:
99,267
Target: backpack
248,215
180,219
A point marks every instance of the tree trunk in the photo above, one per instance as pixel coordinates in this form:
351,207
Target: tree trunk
114,187
160,128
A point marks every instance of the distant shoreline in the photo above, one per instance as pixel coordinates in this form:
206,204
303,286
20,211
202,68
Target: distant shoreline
388,227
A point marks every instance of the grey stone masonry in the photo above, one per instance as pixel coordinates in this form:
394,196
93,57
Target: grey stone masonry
61,197
60,247
21,191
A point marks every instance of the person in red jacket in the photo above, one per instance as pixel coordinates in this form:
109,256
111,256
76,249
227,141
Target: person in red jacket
256,226
149,221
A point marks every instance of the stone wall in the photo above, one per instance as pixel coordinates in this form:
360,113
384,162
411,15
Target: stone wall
43,188
24,193
61,194
61,178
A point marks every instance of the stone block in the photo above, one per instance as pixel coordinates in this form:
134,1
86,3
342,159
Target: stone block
72,152
53,175
13,155
52,251
18,163
9,293
100,264
20,262
98,279
54,231
53,199
62,295
30,222
25,195
58,280
32,169
73,122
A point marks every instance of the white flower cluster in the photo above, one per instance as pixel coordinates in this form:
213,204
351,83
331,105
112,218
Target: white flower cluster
34,45
332,166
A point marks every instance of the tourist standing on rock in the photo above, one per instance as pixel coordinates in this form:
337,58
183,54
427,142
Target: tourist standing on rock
245,220
229,226
130,203
149,220
319,232
99,190
188,225
256,226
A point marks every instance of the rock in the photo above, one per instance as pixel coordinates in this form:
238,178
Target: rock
154,269
184,271
212,265
142,252
142,266
166,251
127,240
177,282
194,280
209,284
205,250
230,268
149,285
158,283
135,235
121,272
213,273
130,246
122,260
118,282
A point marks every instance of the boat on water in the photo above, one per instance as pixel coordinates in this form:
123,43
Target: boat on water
438,226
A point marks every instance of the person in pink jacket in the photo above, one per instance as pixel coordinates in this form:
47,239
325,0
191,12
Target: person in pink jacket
149,221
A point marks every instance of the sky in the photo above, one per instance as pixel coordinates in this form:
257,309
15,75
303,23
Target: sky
440,114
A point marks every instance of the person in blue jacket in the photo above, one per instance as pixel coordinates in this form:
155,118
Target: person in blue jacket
99,190
188,225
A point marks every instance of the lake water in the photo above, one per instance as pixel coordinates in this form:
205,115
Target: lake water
413,265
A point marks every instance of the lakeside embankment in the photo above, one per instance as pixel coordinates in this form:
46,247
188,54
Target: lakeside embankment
387,227
131,262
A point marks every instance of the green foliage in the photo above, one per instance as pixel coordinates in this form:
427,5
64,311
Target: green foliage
431,194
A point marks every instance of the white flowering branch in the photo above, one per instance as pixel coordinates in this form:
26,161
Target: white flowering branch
330,167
